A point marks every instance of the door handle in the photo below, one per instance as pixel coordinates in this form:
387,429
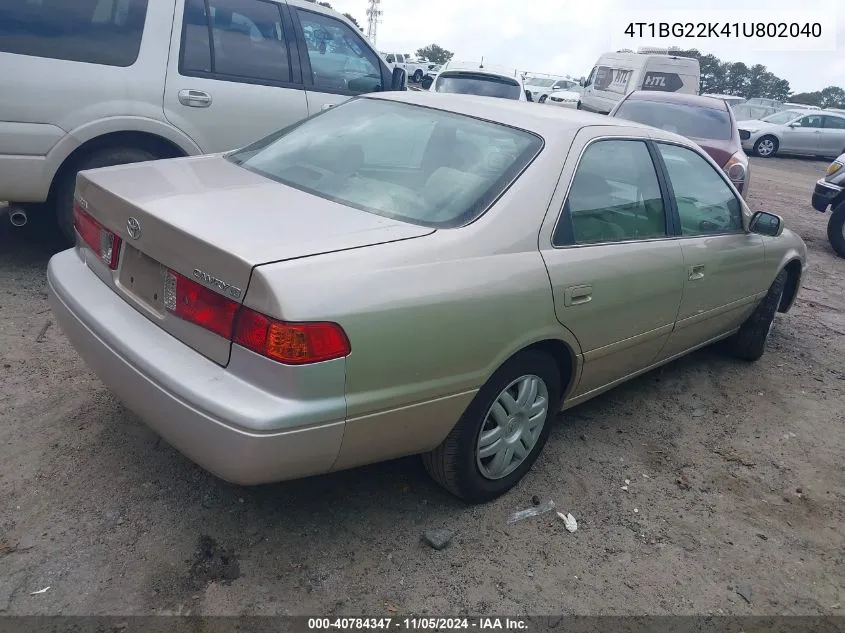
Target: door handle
194,98
577,295
327,106
696,272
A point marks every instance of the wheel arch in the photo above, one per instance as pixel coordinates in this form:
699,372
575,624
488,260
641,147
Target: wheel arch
153,143
794,270
564,356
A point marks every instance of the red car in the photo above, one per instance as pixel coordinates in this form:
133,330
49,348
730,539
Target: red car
706,120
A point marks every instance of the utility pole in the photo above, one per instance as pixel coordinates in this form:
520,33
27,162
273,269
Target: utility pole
374,13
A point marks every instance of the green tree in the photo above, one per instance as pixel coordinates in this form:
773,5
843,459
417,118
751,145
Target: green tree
807,98
832,97
349,17
435,53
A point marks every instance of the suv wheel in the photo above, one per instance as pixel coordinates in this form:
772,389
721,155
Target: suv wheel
102,158
836,229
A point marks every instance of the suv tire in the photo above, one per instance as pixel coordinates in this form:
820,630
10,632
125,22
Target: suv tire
836,229
66,186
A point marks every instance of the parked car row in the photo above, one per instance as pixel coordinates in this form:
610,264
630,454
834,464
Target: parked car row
798,131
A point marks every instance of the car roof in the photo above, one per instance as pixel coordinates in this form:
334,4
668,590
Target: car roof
713,103
547,122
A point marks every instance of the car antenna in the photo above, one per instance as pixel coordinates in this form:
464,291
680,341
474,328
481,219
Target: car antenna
481,65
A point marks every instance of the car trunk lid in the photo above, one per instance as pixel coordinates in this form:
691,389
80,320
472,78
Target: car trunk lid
213,222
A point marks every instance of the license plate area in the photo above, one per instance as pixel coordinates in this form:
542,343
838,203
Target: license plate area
142,277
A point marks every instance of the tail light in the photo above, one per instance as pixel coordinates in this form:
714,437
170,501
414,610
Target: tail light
288,343
98,238
737,168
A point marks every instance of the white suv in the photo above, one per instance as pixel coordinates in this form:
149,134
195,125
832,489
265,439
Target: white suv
106,82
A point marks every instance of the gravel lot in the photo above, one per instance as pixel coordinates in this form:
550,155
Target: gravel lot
736,486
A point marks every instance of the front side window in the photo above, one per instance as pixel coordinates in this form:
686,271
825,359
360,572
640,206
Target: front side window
415,164
340,61
477,84
248,41
106,32
706,204
687,120
813,121
614,196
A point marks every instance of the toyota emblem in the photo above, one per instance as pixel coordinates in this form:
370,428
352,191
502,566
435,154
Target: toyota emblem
133,227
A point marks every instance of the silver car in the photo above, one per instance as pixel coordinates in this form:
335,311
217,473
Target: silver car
410,273
808,132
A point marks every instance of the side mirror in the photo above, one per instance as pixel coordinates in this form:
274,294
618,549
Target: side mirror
426,82
528,95
767,224
399,79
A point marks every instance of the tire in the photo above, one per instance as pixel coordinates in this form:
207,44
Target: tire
542,99
578,107
836,229
456,465
750,342
63,206
766,146
417,78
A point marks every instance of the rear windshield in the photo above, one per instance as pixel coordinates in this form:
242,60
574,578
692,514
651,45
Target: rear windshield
401,161
478,84
687,120
104,32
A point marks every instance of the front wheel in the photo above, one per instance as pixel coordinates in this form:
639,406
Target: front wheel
750,342
542,98
579,106
417,76
766,147
502,432
836,229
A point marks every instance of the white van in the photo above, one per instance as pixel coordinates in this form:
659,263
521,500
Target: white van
617,74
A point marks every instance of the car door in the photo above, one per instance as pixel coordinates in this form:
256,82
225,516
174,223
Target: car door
616,271
802,136
832,137
723,262
336,62
231,77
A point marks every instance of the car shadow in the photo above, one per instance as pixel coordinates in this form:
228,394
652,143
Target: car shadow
28,246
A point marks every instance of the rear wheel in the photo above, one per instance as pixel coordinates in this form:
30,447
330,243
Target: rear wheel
502,432
766,146
418,75
750,342
836,229
63,204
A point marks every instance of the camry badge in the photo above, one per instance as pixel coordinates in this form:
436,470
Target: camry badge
133,227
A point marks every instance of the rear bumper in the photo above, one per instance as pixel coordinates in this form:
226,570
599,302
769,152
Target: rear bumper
223,423
823,194
23,179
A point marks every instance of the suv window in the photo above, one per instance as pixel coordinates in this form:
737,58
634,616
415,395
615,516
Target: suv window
834,122
248,40
615,196
340,61
706,204
106,32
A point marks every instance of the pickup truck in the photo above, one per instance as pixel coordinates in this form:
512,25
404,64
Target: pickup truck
414,68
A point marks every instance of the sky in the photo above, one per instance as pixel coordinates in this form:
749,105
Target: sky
566,37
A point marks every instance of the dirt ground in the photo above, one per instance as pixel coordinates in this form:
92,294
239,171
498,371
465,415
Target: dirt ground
736,487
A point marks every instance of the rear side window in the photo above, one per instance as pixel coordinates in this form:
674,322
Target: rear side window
687,120
235,39
106,32
614,197
477,84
